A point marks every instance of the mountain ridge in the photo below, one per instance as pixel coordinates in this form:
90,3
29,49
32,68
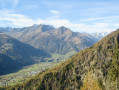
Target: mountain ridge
61,39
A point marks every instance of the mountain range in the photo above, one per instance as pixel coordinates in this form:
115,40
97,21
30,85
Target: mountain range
26,46
34,43
88,69
53,40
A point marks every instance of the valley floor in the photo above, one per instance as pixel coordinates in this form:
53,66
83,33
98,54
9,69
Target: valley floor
26,73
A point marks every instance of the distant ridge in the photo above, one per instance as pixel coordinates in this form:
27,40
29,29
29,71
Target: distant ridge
53,40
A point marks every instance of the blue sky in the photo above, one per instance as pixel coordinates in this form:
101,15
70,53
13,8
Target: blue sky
78,15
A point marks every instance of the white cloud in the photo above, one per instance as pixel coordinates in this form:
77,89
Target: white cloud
54,11
19,20
96,25
101,18
117,25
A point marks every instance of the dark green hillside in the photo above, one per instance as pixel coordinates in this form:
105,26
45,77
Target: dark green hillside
90,65
15,54
7,64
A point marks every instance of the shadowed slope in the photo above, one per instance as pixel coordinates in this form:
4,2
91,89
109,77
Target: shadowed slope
16,54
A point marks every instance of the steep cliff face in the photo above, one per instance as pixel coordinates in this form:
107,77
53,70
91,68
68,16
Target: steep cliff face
71,73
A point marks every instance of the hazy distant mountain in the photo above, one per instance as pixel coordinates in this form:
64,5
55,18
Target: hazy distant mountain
53,40
88,69
15,54
5,29
99,35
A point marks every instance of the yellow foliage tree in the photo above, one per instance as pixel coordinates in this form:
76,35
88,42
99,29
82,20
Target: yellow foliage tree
90,83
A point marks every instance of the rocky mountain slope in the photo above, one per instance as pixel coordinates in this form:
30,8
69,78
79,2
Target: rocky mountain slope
76,72
53,40
15,54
